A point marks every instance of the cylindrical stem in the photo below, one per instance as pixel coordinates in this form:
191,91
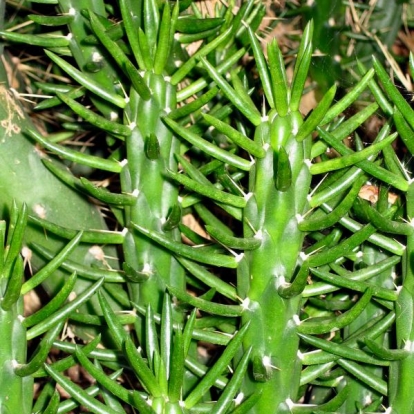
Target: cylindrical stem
272,333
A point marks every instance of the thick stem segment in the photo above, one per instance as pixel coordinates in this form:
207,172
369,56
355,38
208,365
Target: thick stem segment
16,392
401,390
272,332
150,153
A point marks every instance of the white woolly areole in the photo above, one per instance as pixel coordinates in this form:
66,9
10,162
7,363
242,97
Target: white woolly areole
26,253
245,304
259,235
239,398
367,400
248,196
96,57
40,211
239,257
289,403
97,252
146,269
280,280
299,218
267,362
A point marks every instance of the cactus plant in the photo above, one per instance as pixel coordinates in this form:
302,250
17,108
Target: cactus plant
17,371
294,278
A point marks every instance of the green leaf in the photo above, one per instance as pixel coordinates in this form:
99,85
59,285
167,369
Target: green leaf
14,285
300,72
120,58
87,81
232,388
102,194
47,41
190,63
76,156
351,159
318,326
190,24
250,243
280,88
51,20
118,332
282,170
215,371
112,386
41,352
55,303
316,116
205,305
349,98
94,119
262,67
79,394
64,312
142,370
48,269
384,353
342,350
395,96
208,147
364,375
248,110
208,190
131,32
329,407
110,276
164,40
216,259
237,137
210,279
342,249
